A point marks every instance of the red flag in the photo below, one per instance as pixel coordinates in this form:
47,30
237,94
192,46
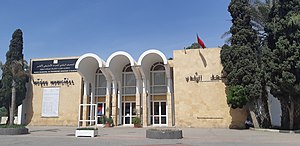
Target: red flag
200,42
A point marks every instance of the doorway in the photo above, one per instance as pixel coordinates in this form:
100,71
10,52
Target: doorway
129,112
159,113
100,113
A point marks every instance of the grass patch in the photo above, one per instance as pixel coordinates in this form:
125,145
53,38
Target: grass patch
12,126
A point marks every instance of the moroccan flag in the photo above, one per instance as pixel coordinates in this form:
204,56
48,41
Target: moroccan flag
200,42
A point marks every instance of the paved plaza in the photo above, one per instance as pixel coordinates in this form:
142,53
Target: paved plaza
128,136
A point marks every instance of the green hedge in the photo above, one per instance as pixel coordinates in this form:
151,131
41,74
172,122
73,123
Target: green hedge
12,126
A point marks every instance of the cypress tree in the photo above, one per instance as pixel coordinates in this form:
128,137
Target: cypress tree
14,77
283,57
241,65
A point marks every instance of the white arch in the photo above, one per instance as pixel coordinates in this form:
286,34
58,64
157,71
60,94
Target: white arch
153,51
87,64
123,53
101,63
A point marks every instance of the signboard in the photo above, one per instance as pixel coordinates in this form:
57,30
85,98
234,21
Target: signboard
50,102
53,66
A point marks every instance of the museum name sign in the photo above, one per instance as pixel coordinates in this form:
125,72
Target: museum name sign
53,66
65,82
198,78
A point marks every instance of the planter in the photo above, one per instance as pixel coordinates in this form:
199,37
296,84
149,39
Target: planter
86,133
13,131
107,125
164,133
137,125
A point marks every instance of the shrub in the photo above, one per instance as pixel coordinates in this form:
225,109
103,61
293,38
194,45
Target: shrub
136,120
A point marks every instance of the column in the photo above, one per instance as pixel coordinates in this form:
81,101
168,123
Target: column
138,97
84,101
169,102
119,104
107,98
114,103
145,102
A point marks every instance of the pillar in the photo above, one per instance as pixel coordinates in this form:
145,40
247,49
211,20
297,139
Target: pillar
108,99
114,103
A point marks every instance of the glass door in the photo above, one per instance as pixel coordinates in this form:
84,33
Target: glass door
129,112
159,113
100,112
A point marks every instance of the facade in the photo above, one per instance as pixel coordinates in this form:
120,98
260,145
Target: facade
199,92
185,92
54,93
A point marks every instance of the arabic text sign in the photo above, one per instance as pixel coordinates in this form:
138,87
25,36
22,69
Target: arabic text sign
53,66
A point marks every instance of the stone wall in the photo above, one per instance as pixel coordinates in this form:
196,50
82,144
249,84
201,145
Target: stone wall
199,92
68,104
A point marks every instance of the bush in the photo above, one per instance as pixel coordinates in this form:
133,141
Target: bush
109,120
236,96
11,126
3,112
136,120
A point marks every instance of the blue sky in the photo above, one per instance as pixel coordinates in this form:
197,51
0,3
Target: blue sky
59,28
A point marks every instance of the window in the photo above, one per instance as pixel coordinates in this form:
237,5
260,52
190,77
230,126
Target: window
100,83
129,81
158,79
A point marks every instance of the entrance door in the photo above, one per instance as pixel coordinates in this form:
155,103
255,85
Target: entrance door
128,112
159,113
100,112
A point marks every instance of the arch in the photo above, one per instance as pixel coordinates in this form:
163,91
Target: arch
87,64
120,53
148,58
154,52
158,66
101,63
116,63
127,68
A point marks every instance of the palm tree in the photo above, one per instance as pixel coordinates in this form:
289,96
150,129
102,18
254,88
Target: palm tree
259,16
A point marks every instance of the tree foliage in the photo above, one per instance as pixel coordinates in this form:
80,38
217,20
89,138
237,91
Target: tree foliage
282,57
236,96
240,59
194,46
242,65
14,54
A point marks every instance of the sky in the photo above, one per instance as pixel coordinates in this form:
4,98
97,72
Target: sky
63,28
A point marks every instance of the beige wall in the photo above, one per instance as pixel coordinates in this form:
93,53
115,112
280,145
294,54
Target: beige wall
69,100
202,104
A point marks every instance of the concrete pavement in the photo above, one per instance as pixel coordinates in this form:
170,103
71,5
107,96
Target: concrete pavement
128,136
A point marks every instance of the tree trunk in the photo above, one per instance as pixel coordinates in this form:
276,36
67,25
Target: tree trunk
260,114
296,114
284,115
253,114
13,103
291,113
265,113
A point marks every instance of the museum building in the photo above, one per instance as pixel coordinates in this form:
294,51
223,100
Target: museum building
186,91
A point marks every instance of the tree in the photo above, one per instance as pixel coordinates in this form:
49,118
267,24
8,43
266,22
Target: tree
259,15
14,77
241,65
283,57
1,95
193,46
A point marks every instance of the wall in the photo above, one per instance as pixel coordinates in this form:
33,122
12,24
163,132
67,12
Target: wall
69,99
274,109
200,101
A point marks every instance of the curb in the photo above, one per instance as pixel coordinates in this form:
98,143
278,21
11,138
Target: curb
13,131
276,130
